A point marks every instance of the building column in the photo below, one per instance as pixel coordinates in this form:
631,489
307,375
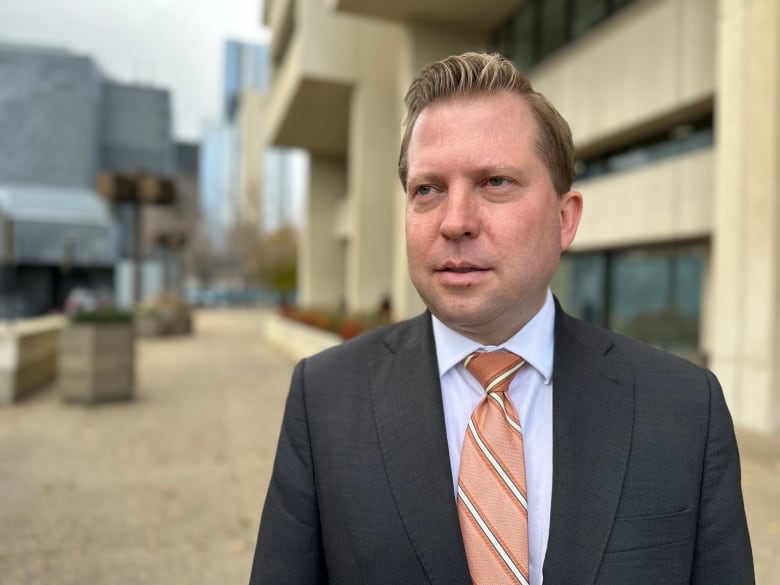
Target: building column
373,151
321,256
744,340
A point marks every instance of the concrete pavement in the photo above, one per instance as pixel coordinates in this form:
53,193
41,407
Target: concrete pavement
167,489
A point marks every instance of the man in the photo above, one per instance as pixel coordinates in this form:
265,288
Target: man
627,469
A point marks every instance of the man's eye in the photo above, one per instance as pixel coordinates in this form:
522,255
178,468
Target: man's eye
423,190
496,181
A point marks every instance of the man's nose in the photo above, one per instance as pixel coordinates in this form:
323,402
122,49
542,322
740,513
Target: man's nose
461,214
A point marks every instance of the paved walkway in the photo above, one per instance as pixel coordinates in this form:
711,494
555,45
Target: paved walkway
167,489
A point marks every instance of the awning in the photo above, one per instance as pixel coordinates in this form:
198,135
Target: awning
66,227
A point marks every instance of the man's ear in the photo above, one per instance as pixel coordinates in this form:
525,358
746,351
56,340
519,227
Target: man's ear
571,212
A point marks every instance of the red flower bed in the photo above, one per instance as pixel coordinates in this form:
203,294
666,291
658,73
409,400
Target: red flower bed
346,326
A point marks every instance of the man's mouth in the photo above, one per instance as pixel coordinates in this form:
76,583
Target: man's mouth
460,275
460,268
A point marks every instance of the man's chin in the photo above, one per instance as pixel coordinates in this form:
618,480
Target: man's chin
465,320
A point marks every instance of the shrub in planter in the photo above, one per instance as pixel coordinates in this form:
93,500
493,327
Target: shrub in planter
166,314
104,316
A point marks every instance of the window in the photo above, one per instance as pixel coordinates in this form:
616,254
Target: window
553,26
652,294
586,14
579,284
675,141
541,27
523,39
656,297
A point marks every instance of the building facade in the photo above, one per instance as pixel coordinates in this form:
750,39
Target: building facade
216,190
675,110
57,233
62,124
246,67
335,93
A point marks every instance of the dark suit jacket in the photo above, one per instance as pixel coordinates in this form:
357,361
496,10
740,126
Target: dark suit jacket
646,477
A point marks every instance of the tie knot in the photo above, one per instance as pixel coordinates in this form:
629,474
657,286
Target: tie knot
494,369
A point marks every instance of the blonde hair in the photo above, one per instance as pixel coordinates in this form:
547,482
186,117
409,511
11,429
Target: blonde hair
474,74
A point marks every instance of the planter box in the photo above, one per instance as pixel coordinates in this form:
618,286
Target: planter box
97,362
163,322
28,355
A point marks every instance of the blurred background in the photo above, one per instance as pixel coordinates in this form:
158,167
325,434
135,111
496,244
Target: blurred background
172,160
133,160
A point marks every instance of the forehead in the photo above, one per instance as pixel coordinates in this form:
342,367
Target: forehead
496,123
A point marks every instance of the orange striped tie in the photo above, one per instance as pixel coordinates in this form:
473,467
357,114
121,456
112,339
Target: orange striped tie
492,504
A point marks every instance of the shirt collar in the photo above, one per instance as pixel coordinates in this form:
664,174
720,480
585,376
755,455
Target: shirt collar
534,342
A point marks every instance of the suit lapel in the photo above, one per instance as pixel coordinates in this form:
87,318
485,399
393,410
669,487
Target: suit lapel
593,407
409,416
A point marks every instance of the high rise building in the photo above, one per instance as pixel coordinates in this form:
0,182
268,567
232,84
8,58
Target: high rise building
243,181
216,188
246,68
285,181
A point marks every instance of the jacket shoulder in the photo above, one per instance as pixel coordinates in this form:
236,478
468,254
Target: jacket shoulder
386,339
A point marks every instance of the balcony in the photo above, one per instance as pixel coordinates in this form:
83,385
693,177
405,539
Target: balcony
459,13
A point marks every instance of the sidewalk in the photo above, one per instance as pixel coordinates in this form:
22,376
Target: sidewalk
168,489
164,490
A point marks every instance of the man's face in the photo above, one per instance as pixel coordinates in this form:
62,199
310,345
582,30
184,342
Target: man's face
484,226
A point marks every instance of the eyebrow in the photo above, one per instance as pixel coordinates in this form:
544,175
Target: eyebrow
424,177
481,171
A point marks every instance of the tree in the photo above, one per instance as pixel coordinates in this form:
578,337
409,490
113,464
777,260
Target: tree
201,259
278,263
246,246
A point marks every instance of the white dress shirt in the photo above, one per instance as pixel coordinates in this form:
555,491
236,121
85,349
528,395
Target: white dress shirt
530,391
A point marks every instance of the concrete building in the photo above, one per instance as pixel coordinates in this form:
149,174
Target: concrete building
59,145
136,140
335,92
57,233
168,230
63,124
136,129
675,110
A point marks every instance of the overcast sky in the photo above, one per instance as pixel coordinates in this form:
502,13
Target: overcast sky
166,43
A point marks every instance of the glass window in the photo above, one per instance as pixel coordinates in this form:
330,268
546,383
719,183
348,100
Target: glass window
523,35
629,159
540,27
502,41
652,294
580,284
553,26
656,296
670,143
586,14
